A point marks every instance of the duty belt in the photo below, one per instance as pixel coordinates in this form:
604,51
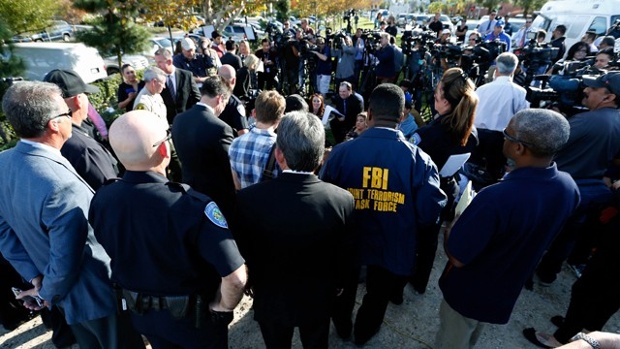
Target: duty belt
178,306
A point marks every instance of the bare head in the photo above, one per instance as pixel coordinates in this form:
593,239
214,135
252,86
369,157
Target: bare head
140,140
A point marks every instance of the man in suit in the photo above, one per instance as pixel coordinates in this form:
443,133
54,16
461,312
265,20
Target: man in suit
44,232
90,158
230,57
348,105
294,285
202,141
181,92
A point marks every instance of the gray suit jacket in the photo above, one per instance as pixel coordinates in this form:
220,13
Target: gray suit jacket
44,231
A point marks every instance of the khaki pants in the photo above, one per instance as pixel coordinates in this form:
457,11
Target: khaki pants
455,330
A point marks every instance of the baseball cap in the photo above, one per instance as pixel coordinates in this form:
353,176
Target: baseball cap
610,80
69,82
446,31
188,44
215,34
499,23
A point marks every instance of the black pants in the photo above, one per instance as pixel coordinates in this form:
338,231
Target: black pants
489,152
594,297
342,309
110,332
165,332
313,336
380,285
594,196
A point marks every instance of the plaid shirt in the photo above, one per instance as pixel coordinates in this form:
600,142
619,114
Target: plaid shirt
249,154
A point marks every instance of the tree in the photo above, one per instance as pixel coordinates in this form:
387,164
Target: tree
20,16
113,33
435,7
490,4
11,67
528,5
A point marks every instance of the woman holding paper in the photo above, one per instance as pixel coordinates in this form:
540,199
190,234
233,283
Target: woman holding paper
447,140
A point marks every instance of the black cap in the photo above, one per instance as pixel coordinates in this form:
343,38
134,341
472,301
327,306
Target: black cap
611,81
69,82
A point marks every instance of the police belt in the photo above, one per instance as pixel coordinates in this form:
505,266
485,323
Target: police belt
178,306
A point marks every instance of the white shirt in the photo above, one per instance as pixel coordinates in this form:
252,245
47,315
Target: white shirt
485,29
518,36
499,101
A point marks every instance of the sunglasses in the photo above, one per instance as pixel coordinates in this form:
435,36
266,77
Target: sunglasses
168,136
68,114
514,139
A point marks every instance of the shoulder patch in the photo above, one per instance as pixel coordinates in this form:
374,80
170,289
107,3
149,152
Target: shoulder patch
215,215
415,139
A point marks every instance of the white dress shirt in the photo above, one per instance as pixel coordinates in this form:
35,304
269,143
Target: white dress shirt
499,101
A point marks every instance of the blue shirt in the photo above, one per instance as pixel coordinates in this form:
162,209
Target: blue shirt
501,237
503,37
324,67
249,154
396,191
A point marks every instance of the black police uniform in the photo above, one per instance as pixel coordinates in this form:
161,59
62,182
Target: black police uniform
169,247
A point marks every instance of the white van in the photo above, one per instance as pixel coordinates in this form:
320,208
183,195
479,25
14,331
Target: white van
42,57
579,16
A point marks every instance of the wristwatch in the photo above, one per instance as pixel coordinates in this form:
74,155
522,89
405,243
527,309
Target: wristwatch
593,342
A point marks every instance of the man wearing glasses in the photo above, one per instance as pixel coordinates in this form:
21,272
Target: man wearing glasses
519,39
44,232
492,249
91,159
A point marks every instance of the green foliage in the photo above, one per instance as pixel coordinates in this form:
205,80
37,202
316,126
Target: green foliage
21,16
490,4
11,67
282,8
113,33
529,5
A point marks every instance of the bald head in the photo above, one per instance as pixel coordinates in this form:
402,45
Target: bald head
137,137
228,74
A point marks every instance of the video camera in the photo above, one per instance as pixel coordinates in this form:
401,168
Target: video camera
416,36
371,39
335,40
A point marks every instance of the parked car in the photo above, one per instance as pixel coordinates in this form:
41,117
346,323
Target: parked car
136,61
58,30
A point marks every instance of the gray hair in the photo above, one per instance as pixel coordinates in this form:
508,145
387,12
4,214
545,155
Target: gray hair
301,138
166,53
507,62
152,73
30,105
543,131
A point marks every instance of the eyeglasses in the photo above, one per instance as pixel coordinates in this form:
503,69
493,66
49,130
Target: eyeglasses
168,136
68,114
514,139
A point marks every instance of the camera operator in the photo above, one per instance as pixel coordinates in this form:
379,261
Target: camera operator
391,28
593,144
444,38
498,34
268,57
606,42
435,24
589,38
399,58
359,56
603,58
461,30
557,40
291,64
345,62
417,59
306,29
385,69
323,66
565,73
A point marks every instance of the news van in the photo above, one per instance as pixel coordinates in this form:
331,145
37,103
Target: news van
579,17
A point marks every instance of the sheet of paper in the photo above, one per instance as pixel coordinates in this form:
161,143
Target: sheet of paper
327,113
465,200
454,163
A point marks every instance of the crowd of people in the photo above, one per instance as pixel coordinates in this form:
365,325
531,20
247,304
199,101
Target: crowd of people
195,196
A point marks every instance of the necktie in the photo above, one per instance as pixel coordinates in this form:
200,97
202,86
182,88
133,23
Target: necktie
489,25
523,38
170,86
344,107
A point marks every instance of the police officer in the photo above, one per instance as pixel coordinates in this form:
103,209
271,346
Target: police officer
176,264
